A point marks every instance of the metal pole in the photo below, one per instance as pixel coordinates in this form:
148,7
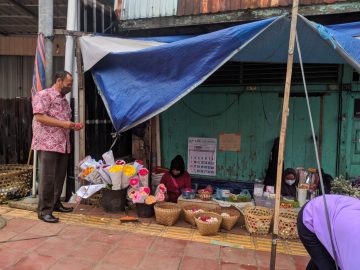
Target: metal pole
46,13
102,19
285,113
94,16
70,65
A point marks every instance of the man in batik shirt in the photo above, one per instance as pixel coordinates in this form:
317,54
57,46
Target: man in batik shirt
51,138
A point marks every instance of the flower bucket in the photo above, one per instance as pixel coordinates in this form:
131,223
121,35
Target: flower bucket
113,200
144,210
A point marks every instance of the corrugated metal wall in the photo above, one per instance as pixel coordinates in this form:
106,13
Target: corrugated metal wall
16,75
136,9
195,7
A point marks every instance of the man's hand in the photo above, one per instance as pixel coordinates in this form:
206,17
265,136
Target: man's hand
68,125
78,126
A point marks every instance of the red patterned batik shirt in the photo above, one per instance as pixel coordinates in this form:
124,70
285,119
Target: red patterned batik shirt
47,138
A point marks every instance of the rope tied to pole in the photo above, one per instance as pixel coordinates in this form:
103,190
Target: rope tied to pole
326,35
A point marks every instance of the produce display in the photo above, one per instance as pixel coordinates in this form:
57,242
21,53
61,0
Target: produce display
345,187
238,198
208,219
197,210
289,204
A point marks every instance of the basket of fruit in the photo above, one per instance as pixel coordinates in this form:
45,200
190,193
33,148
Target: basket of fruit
206,193
229,217
190,211
208,223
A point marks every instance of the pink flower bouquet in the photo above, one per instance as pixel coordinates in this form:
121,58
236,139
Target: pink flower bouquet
144,177
134,182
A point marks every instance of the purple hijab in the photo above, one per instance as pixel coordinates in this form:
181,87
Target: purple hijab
344,214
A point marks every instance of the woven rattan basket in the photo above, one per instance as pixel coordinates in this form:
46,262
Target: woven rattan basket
229,222
167,213
96,199
15,181
287,224
205,195
189,214
206,228
258,219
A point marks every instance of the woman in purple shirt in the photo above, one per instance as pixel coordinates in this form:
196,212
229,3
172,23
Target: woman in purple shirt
344,217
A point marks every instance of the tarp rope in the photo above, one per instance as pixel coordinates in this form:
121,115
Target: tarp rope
316,152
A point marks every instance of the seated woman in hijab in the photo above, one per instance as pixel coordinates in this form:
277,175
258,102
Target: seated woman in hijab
289,183
176,179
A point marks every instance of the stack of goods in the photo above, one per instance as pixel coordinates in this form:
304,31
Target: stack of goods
345,187
264,195
111,174
206,193
190,211
208,223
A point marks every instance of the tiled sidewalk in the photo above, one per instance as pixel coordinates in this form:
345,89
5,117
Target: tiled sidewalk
70,246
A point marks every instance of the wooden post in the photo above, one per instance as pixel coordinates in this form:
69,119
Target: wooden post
285,114
81,99
158,148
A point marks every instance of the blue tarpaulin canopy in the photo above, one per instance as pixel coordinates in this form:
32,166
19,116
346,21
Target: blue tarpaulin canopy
140,78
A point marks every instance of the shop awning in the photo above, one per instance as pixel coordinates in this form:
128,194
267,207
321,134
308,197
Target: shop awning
139,78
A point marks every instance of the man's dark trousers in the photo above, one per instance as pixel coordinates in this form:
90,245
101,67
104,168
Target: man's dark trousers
52,172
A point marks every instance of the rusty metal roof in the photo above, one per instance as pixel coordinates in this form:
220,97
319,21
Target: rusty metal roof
20,17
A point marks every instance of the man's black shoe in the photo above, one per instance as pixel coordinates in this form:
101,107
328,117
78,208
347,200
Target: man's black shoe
49,218
63,209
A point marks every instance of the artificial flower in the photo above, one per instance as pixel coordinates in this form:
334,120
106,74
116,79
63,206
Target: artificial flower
129,170
87,171
134,182
150,200
143,172
137,198
160,197
120,162
162,188
146,190
116,168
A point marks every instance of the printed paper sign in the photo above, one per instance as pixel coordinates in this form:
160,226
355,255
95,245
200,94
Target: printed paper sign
229,142
202,156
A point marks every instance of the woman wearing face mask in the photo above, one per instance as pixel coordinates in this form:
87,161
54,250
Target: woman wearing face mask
176,179
289,183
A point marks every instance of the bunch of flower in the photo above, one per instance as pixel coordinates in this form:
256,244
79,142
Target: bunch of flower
87,171
140,194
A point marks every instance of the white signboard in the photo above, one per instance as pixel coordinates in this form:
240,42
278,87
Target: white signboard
202,156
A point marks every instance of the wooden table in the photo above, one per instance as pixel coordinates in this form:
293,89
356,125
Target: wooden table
197,202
